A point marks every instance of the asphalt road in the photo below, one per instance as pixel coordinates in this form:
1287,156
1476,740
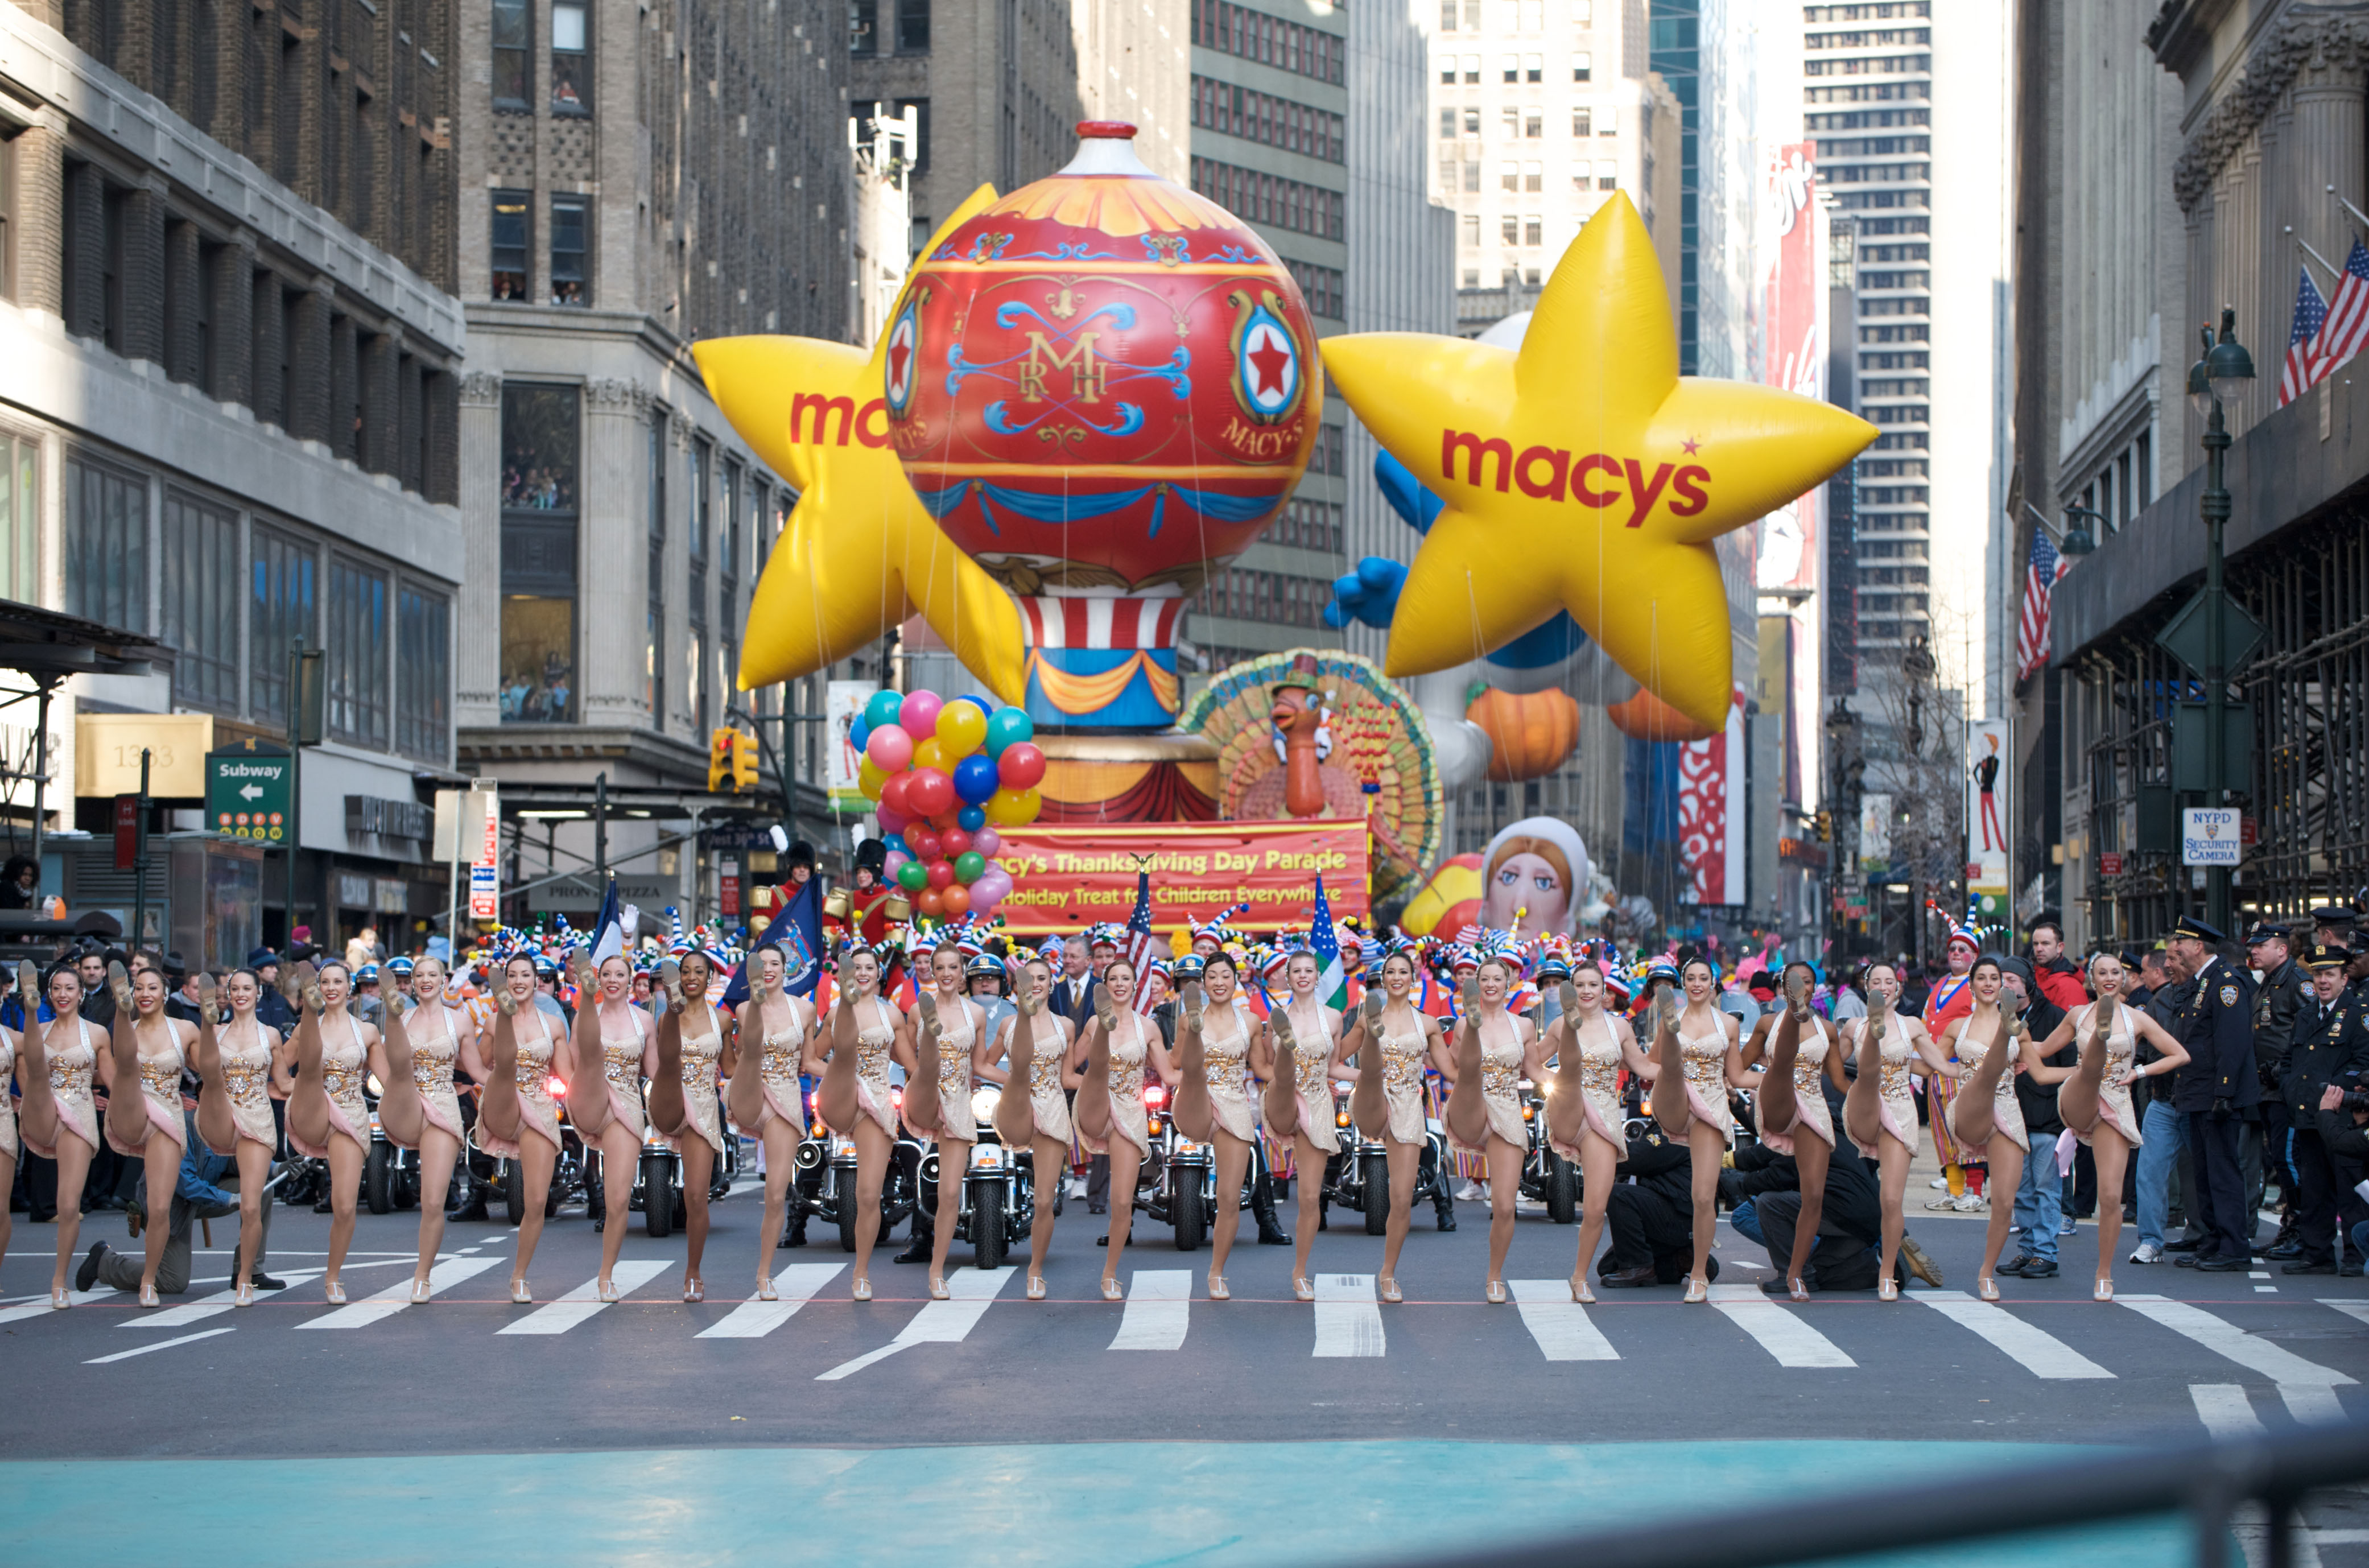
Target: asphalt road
2180,1354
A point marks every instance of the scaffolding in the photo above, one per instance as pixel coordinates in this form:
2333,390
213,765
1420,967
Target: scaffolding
2305,783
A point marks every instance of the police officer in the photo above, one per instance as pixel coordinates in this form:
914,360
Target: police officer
2279,991
2215,1090
2330,1047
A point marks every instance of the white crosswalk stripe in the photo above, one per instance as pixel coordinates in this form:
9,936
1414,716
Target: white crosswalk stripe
582,1304
1785,1336
2225,1411
1348,1318
40,1305
159,1344
797,1285
969,1293
2274,1362
2313,1404
1159,1309
2035,1350
212,1305
1559,1324
447,1273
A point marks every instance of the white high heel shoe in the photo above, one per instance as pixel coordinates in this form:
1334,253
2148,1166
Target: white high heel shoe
333,1293
520,1294
419,1296
1697,1290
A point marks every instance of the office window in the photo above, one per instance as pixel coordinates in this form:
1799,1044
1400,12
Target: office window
356,665
1448,70
1531,227
200,595
1509,121
1472,276
2123,510
695,468
2105,496
1472,175
107,545
1583,13
1510,177
1447,10
863,27
1472,222
509,245
736,488
1534,67
1510,67
912,26
1534,15
539,502
1534,123
20,518
2145,451
513,54
1447,124
1608,175
1472,120
1471,70
1533,177
1509,229
8,216
280,610
1579,122
1583,66
568,286
1608,119
695,675
653,670
571,58
423,672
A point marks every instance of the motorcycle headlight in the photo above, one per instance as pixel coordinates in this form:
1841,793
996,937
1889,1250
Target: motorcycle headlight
987,1157
984,1102
370,1082
840,1144
1187,1146
652,1141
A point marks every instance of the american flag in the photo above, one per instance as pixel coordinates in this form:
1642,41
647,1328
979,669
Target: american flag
2039,581
1138,939
2346,331
2303,366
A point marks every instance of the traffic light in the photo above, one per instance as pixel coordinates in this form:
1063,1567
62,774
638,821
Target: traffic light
1826,826
746,755
720,758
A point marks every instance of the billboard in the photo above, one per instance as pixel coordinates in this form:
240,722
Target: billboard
1987,751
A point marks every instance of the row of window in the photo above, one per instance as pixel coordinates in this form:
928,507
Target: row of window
1512,229
1273,598
1270,199
1321,287
1513,16
1876,38
1309,525
1512,69
513,236
1875,174
1917,277
1884,11
1865,120
1260,117
1271,41
1526,121
910,18
1871,65
233,593
570,40
1916,361
2124,484
1897,413
1856,202
1896,386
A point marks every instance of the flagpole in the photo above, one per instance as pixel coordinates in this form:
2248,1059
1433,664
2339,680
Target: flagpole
2358,216
2335,277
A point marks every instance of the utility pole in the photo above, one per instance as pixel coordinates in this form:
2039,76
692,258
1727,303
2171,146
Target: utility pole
140,859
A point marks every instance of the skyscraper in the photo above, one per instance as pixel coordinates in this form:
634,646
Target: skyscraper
1270,143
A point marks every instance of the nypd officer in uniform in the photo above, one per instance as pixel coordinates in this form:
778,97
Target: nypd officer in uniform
2215,1022
2330,1046
2279,993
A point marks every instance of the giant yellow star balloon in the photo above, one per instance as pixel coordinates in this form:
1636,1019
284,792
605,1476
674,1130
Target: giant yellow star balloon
859,555
1583,472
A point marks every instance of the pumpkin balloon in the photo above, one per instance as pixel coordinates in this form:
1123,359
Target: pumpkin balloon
1529,736
1646,717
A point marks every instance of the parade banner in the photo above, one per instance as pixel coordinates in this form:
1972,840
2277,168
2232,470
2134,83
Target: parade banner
1063,879
1711,813
1986,817
842,705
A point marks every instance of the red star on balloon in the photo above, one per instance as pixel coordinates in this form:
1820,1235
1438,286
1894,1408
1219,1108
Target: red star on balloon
1270,360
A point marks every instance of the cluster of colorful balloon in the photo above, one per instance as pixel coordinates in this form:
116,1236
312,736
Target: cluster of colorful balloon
946,775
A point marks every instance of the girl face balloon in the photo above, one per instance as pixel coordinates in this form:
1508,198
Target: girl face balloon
1104,387
1534,875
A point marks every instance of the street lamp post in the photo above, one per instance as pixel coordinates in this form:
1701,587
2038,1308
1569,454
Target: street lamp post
2222,373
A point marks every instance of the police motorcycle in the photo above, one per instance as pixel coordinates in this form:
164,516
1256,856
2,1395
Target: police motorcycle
1358,1177
1546,1177
998,1192
390,1173
825,1183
